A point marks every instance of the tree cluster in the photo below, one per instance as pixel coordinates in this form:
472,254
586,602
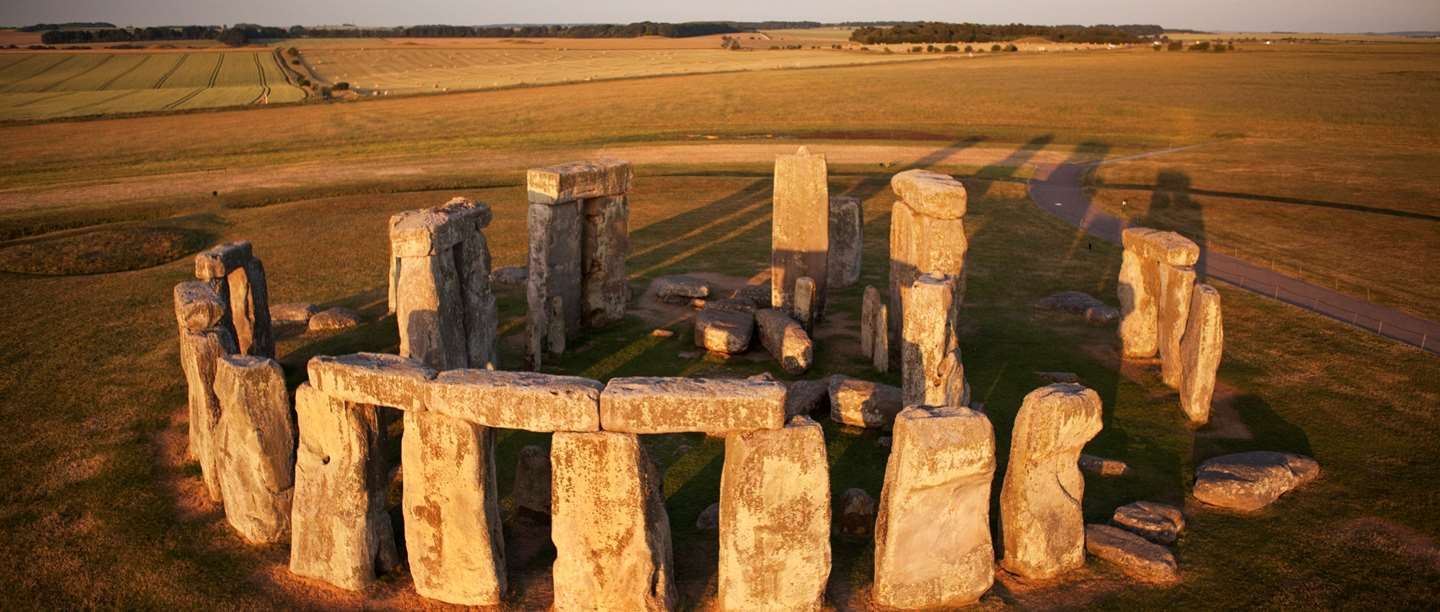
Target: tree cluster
940,32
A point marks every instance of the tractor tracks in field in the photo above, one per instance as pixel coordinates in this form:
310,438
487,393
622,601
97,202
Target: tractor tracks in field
168,73
102,62
264,83
145,60
214,77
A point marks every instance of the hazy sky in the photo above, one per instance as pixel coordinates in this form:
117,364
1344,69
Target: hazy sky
1291,15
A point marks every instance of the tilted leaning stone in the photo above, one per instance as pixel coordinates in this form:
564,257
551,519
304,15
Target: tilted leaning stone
340,530
608,522
376,379
1177,283
932,535
517,400
1252,480
256,440
1200,353
930,364
799,228
1040,511
919,245
847,241
605,241
785,339
775,519
672,405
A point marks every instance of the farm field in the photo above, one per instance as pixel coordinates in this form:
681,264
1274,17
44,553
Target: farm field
49,85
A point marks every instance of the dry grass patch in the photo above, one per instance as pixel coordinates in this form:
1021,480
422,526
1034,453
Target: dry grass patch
102,250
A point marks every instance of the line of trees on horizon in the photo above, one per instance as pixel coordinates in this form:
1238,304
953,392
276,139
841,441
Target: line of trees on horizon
942,32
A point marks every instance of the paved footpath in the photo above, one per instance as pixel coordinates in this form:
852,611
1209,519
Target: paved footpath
1059,193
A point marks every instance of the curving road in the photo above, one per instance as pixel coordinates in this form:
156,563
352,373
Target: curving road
1059,193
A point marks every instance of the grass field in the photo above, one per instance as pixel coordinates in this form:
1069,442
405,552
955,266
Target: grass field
48,85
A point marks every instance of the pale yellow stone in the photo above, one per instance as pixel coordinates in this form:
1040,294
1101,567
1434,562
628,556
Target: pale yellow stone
921,245
372,378
256,441
785,340
930,365
672,405
1200,353
799,228
517,400
931,193
1138,289
573,181
1176,286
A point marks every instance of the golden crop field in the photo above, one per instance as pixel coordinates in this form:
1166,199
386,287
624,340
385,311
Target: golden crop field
47,85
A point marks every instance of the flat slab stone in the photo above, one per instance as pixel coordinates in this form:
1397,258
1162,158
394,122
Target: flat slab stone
652,405
679,288
573,181
1132,554
1158,523
372,378
1101,466
219,260
432,231
862,403
197,306
1250,481
931,193
804,397
293,312
335,318
517,400
724,331
1161,246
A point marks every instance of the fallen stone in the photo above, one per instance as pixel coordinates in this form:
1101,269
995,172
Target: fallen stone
294,312
875,330
785,339
1101,466
758,294
611,532
578,180
932,533
516,400
709,519
605,241
341,532
857,514
724,331
921,245
673,405
1040,502
1101,316
1200,353
1251,481
433,231
372,378
256,442
931,193
805,303
861,403
662,333
930,362
731,304
199,352
1071,302
679,289
198,307
1158,523
531,490
847,240
697,303
1176,286
1134,556
806,397
775,519
799,228
510,276
1058,377
218,261
334,318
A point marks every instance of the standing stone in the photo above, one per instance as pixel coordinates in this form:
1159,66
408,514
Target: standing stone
256,440
531,490
555,320
1177,283
932,535
250,309
199,352
606,241
440,285
930,363
875,330
1040,511
775,519
611,532
800,228
785,339
804,305
481,316
452,515
932,194
341,532
1200,353
555,272
430,312
197,306
1139,310
919,245
847,239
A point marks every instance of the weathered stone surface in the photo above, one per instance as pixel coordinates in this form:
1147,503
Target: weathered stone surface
218,261
198,307
847,241
433,231
775,519
921,245
1200,353
605,240
759,294
1040,502
1101,466
931,193
250,309
732,304
1161,246
338,317
709,519
1101,316
785,339
341,532
1251,481
1139,292
452,517
1176,286
861,403
477,298
531,490
1058,377
510,276
804,397
1158,523
372,378
293,312
430,311
932,535
857,514
199,352
517,400
554,265
555,320
256,443
611,532
1132,554
805,302
875,330
799,227
679,288
573,181
710,405
724,331
930,363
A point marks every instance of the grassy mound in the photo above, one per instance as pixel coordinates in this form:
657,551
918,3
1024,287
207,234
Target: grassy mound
102,250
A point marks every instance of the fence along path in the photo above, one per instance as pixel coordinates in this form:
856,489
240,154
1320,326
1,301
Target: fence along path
1059,193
